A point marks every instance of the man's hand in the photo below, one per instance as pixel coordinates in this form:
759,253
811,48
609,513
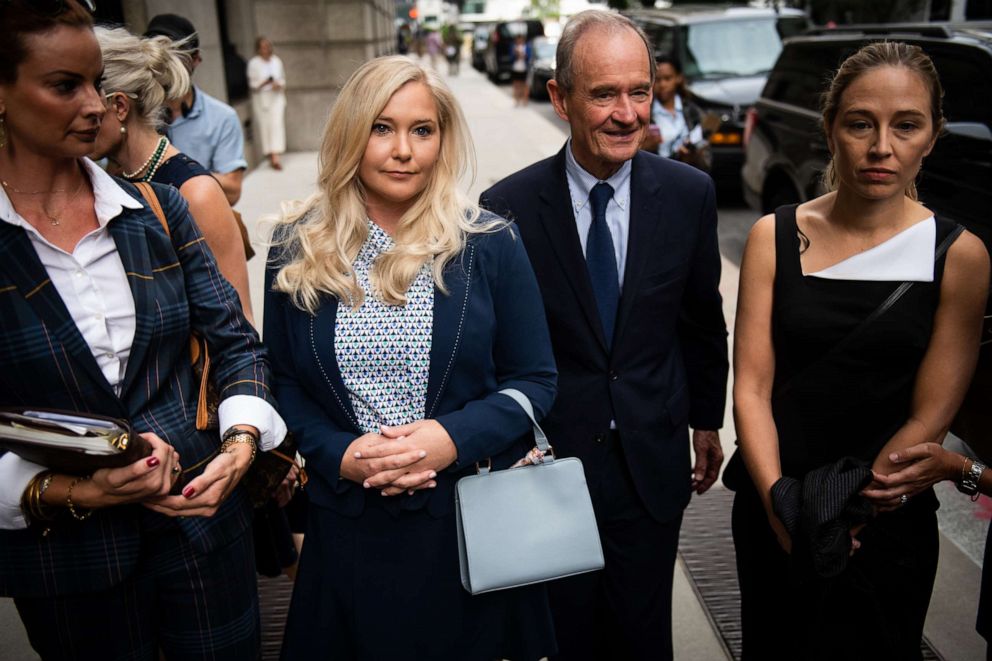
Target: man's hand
709,457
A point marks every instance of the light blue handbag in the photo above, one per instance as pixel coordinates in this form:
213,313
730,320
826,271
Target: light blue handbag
528,524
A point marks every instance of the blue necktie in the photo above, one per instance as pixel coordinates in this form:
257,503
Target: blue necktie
601,260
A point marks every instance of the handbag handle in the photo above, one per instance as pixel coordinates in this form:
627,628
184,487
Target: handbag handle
540,439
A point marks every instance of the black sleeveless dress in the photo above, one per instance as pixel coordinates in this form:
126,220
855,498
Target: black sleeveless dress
828,405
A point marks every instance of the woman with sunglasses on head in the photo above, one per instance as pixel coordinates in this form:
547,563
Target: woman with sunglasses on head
97,303
140,76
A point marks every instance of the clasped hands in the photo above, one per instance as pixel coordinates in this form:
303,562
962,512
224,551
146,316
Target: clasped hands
406,458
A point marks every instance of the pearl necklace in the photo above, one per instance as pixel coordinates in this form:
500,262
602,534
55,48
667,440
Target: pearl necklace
151,164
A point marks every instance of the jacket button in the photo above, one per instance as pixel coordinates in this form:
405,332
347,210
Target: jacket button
599,437
614,376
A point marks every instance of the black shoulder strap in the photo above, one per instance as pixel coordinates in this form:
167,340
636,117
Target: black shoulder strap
884,307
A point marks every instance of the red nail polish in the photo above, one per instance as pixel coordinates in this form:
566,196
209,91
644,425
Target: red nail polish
152,462
189,492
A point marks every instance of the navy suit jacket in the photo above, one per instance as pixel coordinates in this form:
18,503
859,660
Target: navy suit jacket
45,362
489,333
668,363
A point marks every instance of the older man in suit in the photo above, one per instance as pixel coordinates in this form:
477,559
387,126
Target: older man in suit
624,246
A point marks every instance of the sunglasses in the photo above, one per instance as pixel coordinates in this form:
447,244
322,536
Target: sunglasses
108,99
49,7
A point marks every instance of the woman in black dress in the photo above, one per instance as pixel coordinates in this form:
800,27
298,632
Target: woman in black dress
811,274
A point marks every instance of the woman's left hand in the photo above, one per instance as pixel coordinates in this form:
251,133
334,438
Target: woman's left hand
427,435
927,464
205,493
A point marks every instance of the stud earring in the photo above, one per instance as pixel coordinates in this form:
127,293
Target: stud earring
123,130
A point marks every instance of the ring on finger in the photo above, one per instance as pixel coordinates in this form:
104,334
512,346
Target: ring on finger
176,468
903,499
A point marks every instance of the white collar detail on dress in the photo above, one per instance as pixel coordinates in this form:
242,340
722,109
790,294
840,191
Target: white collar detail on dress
906,257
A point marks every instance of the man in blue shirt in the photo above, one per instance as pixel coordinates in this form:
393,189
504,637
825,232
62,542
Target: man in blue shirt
204,128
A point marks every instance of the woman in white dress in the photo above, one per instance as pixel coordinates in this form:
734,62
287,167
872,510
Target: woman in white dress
267,80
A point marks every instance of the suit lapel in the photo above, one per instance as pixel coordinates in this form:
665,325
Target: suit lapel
449,318
132,246
648,200
31,279
558,221
321,340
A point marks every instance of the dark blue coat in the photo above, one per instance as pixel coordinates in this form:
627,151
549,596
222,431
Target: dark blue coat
45,362
668,363
489,333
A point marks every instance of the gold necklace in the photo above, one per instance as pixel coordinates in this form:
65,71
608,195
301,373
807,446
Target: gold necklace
57,220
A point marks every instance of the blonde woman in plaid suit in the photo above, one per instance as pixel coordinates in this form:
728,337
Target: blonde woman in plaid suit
97,302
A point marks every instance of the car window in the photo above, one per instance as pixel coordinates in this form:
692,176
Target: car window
545,50
803,72
662,37
721,49
967,81
528,29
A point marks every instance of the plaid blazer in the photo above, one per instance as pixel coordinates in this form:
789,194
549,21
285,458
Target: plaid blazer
45,362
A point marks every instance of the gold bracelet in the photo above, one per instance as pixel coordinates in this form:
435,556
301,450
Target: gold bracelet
68,500
233,438
31,503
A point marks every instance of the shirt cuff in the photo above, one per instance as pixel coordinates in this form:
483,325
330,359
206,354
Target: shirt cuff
15,473
231,166
254,411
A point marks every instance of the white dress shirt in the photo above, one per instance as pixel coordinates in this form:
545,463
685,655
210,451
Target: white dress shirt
93,286
580,184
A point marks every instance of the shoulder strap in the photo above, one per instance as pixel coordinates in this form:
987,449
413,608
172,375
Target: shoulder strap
152,199
885,306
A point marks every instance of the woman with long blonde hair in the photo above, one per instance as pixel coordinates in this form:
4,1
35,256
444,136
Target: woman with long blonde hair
395,312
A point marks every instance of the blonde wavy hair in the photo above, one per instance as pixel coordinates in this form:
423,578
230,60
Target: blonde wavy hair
150,70
320,237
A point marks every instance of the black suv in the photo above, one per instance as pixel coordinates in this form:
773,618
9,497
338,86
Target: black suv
726,53
499,54
786,146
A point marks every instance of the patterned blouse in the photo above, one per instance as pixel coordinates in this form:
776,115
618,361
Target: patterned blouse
383,351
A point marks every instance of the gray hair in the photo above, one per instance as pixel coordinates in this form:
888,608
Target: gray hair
149,70
583,22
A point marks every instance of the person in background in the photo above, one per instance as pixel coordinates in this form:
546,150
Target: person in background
452,48
267,80
141,75
202,127
518,70
624,245
97,303
383,292
823,375
434,46
676,122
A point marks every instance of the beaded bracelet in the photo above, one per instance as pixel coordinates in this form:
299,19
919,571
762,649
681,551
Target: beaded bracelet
68,501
